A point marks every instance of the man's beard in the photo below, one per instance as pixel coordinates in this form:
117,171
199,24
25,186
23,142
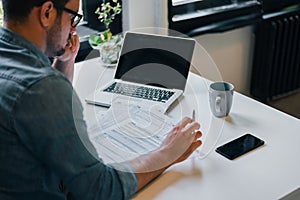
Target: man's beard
53,38
60,52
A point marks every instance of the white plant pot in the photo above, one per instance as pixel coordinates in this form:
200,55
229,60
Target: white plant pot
110,51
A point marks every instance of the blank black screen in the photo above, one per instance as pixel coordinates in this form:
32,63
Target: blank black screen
155,60
239,146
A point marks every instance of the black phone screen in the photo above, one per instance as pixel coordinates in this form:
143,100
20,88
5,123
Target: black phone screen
239,146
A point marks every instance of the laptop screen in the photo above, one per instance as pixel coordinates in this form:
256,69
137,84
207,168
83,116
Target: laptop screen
155,60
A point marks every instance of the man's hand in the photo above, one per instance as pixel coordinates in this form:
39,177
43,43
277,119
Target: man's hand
71,49
182,141
65,62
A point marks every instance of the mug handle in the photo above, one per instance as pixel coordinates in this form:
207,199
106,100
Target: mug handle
218,104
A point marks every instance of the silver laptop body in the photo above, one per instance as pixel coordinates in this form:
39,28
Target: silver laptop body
152,70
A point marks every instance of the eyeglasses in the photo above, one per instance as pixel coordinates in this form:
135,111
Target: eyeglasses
75,18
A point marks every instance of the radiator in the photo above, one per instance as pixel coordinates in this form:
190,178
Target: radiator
276,62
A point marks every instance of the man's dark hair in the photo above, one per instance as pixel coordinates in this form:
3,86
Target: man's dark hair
19,10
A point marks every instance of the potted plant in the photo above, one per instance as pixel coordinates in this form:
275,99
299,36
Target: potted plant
108,44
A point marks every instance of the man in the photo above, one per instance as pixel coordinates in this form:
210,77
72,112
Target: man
44,148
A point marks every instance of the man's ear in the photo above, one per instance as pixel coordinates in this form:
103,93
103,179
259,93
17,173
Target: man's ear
47,14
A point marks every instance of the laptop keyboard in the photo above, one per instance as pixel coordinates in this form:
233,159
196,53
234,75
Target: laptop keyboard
140,92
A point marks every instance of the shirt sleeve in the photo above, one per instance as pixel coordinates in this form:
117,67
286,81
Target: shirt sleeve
48,117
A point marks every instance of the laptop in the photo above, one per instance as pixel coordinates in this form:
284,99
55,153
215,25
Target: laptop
152,70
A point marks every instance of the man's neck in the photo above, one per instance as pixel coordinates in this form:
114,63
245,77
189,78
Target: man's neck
29,31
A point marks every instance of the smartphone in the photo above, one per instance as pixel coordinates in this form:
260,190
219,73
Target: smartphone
239,146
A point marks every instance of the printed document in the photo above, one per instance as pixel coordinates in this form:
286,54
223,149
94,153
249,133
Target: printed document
124,132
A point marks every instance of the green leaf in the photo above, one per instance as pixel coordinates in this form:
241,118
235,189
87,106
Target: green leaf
117,10
95,40
107,35
98,10
107,21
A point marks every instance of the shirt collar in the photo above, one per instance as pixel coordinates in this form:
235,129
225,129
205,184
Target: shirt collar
16,39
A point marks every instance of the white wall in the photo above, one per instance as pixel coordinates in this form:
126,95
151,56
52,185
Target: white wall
144,13
231,51
1,14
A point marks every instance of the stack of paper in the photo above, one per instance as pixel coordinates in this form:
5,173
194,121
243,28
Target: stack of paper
124,132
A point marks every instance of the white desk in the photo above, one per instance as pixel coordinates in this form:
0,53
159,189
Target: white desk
270,172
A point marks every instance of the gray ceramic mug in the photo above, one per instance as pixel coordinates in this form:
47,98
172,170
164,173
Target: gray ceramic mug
220,98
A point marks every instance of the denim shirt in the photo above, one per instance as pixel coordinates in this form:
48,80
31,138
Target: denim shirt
43,137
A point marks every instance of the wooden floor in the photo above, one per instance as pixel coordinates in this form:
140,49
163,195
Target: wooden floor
289,104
